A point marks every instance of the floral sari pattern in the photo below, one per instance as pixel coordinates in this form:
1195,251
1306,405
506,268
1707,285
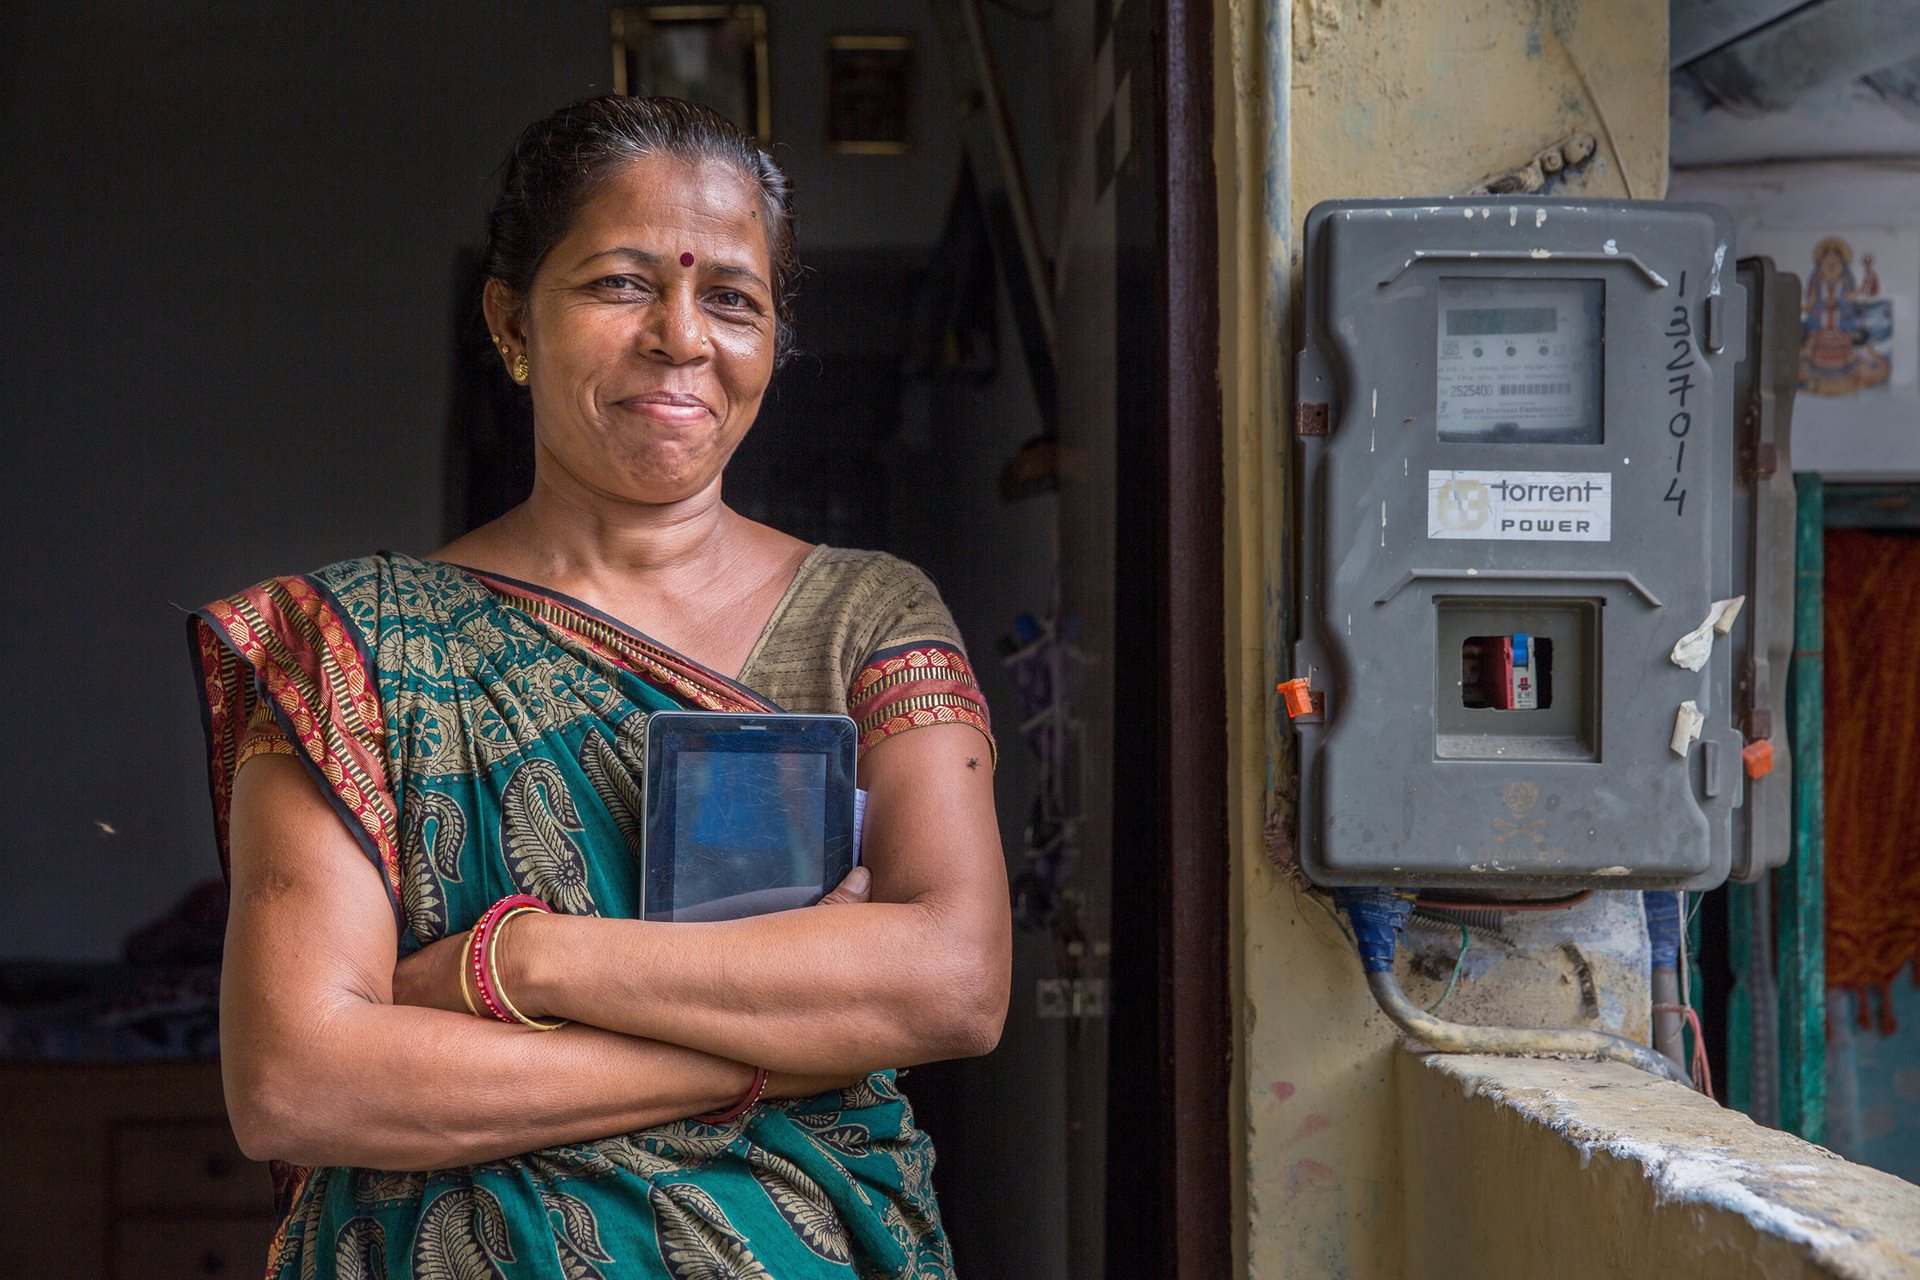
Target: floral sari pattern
480,738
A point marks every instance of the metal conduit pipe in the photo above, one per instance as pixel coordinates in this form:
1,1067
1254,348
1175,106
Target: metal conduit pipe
1666,938
1461,1037
1378,915
1666,1023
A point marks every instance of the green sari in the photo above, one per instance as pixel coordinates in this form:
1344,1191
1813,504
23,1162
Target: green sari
481,737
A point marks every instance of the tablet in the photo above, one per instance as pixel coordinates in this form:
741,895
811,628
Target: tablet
745,814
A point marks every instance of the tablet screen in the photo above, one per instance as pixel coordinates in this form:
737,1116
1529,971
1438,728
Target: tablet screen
745,813
748,824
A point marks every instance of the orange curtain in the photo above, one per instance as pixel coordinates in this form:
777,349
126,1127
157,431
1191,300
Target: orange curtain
1872,763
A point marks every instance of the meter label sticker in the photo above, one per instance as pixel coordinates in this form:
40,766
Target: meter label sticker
1521,506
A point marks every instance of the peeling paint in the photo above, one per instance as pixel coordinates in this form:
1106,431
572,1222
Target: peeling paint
1699,1160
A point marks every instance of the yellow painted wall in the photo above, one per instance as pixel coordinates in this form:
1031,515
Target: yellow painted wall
1316,99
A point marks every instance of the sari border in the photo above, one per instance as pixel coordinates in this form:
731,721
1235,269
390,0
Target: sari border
358,640
621,644
349,772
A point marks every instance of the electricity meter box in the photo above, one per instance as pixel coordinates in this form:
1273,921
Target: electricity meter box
1516,448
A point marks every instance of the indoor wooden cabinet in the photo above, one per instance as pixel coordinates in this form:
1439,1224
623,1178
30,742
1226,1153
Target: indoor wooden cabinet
124,1172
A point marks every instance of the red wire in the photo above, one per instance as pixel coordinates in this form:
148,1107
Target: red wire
1702,1072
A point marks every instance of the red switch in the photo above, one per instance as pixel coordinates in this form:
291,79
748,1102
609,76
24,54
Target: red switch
1759,758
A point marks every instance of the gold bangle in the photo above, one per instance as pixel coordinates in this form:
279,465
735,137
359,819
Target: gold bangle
500,990
460,975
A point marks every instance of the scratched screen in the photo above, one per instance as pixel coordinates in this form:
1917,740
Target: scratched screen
1519,361
750,833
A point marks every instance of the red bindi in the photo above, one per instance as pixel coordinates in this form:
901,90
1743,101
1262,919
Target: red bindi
686,259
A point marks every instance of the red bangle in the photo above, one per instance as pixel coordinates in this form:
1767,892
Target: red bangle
752,1095
479,952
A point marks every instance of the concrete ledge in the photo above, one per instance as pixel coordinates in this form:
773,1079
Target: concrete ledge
1517,1166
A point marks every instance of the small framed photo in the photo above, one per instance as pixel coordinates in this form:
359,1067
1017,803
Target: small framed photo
869,94
712,54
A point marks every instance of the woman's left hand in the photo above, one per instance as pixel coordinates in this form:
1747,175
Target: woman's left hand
430,977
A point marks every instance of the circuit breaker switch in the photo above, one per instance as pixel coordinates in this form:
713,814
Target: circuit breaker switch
1524,689
1506,672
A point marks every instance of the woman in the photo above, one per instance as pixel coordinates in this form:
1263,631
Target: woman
423,740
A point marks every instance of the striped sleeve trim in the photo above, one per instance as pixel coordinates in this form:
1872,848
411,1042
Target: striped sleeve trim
912,686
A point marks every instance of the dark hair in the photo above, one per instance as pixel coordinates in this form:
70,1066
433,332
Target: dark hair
559,163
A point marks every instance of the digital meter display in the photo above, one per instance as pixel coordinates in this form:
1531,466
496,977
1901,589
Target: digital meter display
1519,361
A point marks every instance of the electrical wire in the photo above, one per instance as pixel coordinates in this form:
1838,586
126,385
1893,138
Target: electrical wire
1702,1069
1459,1037
1686,954
1339,923
1378,916
1459,963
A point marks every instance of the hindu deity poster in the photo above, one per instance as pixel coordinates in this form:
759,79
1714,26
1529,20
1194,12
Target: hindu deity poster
1851,234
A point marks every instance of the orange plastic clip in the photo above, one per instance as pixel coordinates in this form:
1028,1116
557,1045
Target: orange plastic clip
1299,701
1759,758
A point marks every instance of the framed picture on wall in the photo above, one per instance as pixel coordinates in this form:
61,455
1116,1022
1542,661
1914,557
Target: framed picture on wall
712,54
869,94
1851,232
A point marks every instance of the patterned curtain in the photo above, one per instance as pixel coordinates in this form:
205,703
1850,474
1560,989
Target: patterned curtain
1872,765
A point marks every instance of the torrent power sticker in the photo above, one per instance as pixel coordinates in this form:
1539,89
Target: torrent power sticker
1522,506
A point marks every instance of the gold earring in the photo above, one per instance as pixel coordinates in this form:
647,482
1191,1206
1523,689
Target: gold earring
520,369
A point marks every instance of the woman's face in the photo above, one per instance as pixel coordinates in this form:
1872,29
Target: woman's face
649,331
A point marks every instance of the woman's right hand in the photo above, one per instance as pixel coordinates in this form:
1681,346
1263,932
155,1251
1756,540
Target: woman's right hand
856,888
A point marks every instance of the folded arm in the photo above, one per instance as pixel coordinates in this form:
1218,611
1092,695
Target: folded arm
920,973
321,1067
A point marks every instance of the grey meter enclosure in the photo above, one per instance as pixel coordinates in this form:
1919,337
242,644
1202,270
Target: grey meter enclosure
1516,453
